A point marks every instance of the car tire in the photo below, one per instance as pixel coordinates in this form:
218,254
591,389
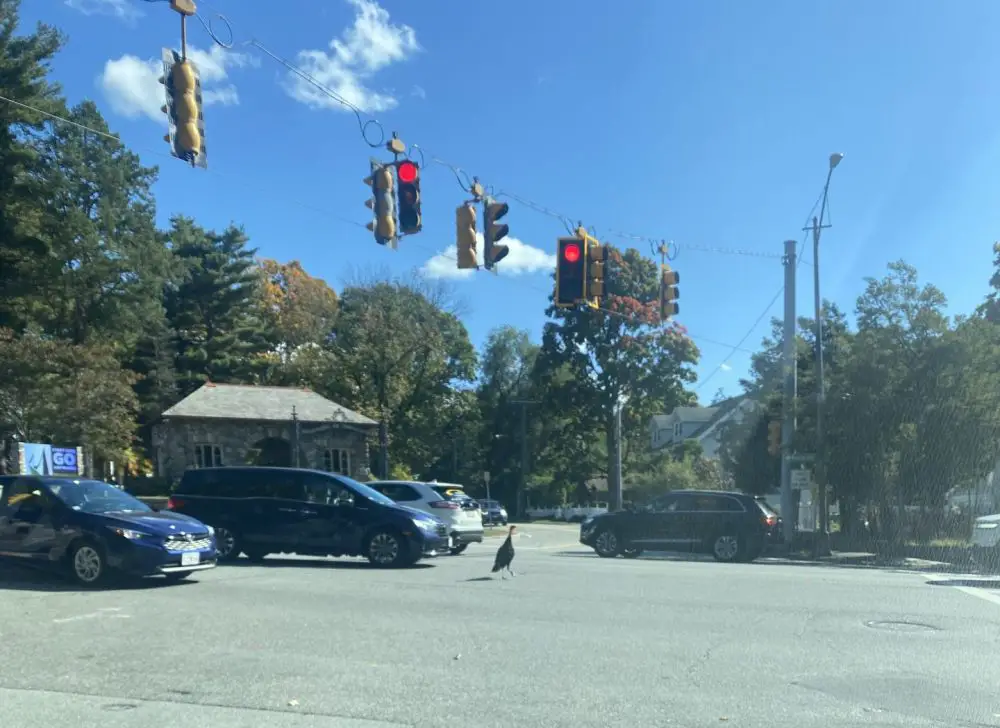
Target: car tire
632,553
87,565
227,544
607,544
386,549
456,550
727,547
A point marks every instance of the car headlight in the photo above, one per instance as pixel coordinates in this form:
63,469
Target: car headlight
211,531
425,525
587,521
130,534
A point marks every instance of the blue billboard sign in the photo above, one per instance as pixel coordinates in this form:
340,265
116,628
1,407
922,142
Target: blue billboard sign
43,459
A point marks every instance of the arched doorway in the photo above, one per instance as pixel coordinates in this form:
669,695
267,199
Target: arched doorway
274,452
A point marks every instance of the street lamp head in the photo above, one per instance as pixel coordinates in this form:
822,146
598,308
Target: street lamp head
835,159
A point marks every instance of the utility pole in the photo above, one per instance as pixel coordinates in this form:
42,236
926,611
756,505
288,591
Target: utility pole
383,443
821,545
790,379
616,493
522,487
296,434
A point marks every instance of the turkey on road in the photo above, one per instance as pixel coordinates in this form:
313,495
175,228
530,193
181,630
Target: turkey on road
505,555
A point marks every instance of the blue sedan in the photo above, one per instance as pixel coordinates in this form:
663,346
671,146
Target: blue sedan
90,529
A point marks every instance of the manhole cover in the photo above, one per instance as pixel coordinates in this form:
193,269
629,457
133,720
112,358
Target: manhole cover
119,706
893,626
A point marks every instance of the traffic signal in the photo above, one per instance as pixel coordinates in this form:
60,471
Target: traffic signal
185,119
597,255
465,231
408,174
571,272
381,203
669,293
774,437
494,231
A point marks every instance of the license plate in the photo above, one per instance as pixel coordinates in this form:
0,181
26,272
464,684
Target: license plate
451,542
190,559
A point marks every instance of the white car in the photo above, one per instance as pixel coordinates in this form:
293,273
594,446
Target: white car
446,501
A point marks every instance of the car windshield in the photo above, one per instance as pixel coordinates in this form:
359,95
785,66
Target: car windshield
94,496
369,493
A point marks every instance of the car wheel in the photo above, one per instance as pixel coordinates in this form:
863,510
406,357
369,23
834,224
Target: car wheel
175,576
632,553
226,544
87,565
386,549
726,547
607,545
456,550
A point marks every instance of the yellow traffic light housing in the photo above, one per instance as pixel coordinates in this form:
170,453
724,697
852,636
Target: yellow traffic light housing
465,231
774,437
597,258
494,231
571,272
669,293
381,203
183,107
408,175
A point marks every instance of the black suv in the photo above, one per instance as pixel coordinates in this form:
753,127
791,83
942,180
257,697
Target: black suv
730,526
260,511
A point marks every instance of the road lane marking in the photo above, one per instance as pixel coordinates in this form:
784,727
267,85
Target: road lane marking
981,593
112,612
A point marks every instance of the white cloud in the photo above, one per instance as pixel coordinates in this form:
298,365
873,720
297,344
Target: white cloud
368,46
419,92
123,9
131,85
725,367
521,259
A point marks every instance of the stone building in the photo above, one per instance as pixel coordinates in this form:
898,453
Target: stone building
236,424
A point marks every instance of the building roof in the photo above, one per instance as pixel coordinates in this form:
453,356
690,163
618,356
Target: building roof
686,414
252,402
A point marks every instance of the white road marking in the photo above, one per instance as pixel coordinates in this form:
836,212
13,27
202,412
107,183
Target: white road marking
112,612
981,593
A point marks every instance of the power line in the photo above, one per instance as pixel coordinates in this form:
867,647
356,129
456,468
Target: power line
269,192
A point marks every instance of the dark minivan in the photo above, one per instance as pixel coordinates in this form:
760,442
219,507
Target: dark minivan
90,529
730,526
262,510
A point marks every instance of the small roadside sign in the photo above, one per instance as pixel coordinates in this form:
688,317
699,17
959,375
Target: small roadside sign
801,479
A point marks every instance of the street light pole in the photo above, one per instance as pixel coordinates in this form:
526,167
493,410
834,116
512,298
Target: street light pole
821,546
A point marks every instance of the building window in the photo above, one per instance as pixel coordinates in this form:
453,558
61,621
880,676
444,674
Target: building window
677,429
207,456
336,460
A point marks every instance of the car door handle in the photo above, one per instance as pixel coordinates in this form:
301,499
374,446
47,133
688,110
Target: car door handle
288,510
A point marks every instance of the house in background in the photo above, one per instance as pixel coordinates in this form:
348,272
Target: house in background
236,424
704,424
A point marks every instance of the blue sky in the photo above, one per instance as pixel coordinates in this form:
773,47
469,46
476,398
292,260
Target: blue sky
705,123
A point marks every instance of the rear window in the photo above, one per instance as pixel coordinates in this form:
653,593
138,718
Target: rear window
765,508
450,492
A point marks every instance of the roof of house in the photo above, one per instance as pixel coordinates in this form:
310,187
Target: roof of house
722,410
686,414
252,402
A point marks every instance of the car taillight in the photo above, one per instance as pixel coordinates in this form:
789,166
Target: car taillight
174,503
445,504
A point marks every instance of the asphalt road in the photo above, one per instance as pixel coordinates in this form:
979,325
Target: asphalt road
573,640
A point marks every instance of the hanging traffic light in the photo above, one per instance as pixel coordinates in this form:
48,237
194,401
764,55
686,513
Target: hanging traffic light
408,174
183,107
597,255
494,231
381,203
465,232
774,437
669,293
571,272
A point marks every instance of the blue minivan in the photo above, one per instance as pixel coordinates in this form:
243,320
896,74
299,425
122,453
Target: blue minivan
90,529
266,510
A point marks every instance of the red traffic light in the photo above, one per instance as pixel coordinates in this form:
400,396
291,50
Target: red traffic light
571,253
407,172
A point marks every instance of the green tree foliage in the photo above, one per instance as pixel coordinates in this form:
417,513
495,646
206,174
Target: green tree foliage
56,391
24,66
213,305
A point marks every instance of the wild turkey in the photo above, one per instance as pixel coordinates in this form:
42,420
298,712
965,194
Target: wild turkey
505,555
